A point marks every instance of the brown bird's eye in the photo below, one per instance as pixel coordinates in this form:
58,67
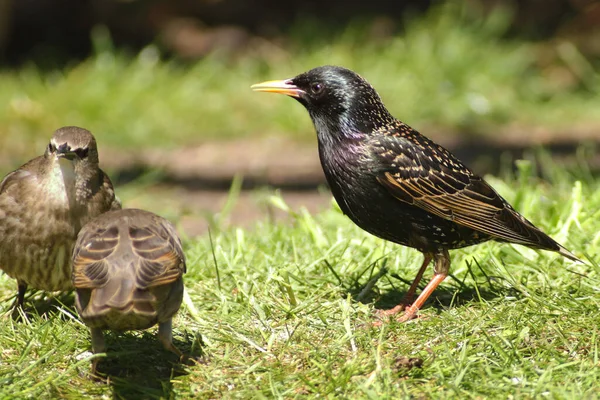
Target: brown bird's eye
51,148
81,153
316,88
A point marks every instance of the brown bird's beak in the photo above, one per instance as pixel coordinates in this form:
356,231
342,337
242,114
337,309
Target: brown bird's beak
282,87
63,152
67,156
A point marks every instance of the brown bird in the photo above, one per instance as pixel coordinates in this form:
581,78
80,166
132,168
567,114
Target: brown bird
399,185
127,272
44,204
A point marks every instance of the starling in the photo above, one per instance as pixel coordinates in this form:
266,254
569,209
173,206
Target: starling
44,204
127,272
399,185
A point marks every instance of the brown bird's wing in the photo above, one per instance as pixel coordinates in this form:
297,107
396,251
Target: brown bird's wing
19,175
422,173
108,192
161,258
94,245
11,178
127,259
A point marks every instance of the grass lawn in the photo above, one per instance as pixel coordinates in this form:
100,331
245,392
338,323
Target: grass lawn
286,312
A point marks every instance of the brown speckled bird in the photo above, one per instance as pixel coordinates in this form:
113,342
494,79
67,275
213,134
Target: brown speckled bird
127,272
44,204
397,184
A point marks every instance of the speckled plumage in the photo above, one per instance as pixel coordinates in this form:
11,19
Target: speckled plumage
397,184
127,272
44,204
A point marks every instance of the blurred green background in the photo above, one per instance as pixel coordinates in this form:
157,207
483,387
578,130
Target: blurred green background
164,85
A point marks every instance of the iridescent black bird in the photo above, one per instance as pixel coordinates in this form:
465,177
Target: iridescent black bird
397,184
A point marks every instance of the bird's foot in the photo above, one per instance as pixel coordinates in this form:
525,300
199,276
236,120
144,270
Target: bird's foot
383,316
407,316
392,311
18,313
93,374
95,377
411,314
192,360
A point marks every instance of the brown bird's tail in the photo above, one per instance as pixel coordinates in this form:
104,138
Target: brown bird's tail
530,235
121,294
116,294
566,253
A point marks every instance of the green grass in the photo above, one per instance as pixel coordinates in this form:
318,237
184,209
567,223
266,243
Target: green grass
283,314
451,68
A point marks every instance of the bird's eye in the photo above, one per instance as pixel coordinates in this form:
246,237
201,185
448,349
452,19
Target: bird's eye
81,153
316,87
51,148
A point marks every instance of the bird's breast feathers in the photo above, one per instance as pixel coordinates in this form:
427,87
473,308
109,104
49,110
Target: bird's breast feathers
59,186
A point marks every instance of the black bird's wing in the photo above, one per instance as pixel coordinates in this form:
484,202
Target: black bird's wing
421,173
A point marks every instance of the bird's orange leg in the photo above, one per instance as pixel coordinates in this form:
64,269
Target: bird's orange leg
442,267
408,297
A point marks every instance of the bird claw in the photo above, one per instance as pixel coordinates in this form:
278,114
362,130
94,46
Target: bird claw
93,374
192,360
410,317
384,316
392,311
407,316
95,377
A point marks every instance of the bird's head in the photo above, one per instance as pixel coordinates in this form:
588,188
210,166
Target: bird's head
72,153
340,102
73,144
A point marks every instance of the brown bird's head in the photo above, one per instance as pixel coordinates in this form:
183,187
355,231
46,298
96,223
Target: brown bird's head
74,144
340,102
72,158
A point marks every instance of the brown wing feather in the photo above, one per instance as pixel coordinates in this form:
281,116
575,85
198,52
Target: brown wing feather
161,259
115,203
94,245
443,186
20,174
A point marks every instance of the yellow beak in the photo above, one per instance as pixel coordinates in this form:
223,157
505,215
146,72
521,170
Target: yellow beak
281,87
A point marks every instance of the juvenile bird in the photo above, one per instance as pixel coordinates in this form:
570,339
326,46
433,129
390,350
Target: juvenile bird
399,185
127,272
44,204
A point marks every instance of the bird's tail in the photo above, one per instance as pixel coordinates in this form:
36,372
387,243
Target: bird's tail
566,253
116,294
122,294
532,236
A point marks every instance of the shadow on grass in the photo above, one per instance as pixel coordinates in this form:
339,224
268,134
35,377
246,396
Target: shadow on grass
442,298
43,304
49,304
138,367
